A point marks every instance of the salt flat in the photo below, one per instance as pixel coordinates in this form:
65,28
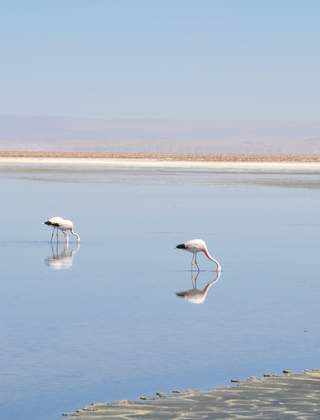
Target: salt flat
258,166
288,396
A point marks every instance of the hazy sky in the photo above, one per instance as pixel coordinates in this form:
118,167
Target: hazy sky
180,59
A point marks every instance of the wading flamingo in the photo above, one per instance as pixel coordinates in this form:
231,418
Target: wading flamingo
195,246
64,225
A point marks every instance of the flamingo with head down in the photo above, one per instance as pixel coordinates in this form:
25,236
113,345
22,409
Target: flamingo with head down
195,246
63,225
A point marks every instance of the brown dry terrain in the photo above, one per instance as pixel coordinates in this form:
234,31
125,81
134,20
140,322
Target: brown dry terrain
65,134
166,156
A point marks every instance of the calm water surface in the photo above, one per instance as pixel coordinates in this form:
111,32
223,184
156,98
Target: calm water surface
103,322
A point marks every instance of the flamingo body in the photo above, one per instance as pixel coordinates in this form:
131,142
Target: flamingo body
66,224
54,221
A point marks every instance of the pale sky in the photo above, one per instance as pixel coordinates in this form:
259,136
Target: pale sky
172,59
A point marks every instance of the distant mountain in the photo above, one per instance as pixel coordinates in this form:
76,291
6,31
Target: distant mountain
163,136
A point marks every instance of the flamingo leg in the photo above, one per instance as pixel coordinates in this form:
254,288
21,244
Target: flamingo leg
194,262
66,237
52,234
57,234
194,277
52,249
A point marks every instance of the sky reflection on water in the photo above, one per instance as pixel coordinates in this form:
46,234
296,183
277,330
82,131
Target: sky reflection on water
111,326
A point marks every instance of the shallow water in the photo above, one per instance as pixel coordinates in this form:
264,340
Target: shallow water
103,322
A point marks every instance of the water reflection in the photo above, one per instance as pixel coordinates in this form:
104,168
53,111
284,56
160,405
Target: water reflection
196,295
62,255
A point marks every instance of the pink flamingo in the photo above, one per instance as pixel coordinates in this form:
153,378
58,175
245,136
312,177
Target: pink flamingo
195,246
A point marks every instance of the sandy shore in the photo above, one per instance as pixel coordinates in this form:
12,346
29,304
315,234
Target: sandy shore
290,395
225,164
165,156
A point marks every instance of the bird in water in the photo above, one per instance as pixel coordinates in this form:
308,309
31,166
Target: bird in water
195,246
63,225
196,295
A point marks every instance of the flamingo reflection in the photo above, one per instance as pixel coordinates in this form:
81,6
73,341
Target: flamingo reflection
196,295
62,256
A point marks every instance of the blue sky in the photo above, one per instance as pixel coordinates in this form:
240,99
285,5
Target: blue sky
177,59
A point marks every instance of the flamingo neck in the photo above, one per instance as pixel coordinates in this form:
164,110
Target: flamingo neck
210,257
206,289
76,234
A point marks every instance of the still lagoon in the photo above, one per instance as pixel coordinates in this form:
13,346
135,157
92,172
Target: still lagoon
102,321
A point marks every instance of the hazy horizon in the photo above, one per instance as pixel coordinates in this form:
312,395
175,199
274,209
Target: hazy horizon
156,135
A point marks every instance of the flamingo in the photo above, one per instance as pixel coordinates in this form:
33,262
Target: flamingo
198,245
64,225
196,295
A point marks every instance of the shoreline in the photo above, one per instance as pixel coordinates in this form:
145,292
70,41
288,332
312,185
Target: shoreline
166,157
272,396
58,162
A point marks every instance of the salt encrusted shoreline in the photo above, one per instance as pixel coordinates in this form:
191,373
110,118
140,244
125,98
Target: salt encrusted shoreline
43,161
195,157
289,395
